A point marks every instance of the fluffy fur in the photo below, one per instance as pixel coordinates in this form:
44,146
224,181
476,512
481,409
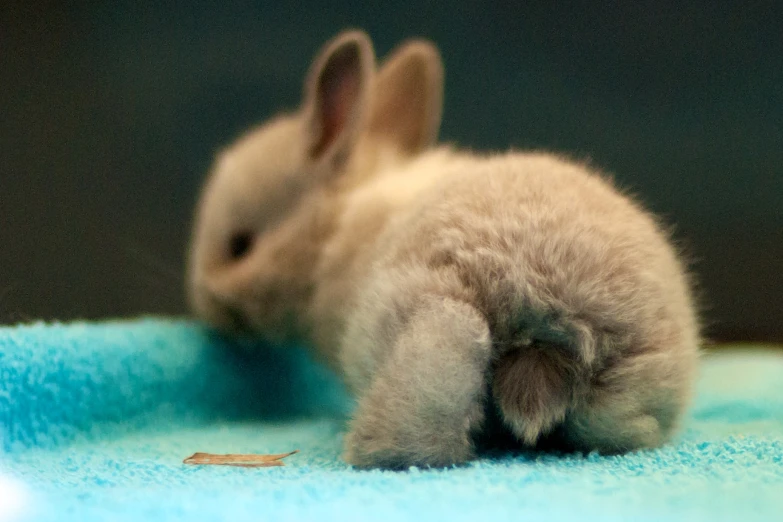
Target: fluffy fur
441,284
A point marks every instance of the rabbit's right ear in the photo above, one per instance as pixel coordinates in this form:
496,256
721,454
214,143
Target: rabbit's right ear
337,97
408,102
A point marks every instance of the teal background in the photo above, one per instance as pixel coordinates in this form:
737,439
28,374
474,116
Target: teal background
110,113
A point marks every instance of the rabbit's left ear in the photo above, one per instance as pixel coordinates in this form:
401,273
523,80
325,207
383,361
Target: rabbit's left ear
408,102
337,97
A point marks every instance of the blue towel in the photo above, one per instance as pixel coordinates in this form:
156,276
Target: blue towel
95,420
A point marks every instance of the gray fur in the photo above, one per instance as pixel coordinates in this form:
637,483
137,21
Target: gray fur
422,406
435,281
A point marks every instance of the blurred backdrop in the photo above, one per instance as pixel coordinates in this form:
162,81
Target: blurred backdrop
110,113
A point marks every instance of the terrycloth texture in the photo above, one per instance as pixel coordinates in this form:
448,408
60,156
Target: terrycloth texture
95,420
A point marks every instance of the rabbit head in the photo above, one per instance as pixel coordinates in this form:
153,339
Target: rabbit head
272,199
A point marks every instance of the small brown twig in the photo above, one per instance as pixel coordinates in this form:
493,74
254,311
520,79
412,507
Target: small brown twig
238,460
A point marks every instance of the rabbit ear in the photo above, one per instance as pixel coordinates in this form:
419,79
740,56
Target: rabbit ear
408,100
337,96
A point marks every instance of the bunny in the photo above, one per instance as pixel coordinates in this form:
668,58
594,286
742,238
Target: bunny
448,288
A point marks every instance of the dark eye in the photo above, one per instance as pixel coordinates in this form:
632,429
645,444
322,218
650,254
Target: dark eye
240,245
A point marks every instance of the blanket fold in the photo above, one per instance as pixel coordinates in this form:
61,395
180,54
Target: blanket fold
60,382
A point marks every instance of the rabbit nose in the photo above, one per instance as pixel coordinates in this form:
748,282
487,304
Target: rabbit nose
232,315
222,312
237,319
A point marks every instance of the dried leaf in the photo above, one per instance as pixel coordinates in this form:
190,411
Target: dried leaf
238,460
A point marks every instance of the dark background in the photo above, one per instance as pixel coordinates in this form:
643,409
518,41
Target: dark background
111,111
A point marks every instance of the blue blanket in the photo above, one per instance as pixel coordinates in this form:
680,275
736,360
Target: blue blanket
95,420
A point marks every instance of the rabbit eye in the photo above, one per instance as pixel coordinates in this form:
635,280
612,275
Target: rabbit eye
240,245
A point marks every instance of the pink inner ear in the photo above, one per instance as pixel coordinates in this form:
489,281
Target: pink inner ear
338,90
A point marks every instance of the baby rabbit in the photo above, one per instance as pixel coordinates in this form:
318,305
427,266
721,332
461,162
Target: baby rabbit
444,286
